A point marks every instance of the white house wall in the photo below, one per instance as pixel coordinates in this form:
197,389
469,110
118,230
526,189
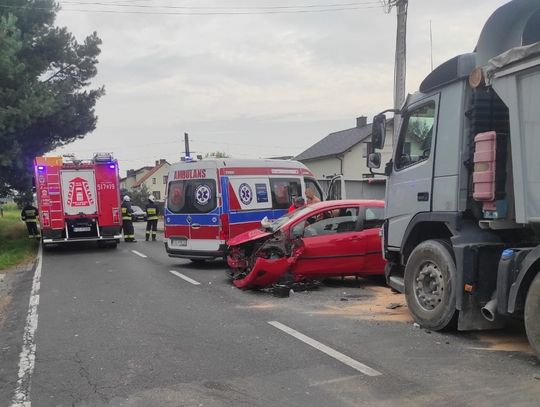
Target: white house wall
159,186
324,168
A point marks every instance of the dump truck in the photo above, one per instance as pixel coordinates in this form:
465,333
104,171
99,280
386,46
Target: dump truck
78,200
462,218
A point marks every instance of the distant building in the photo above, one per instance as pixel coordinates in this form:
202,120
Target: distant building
133,176
154,178
344,153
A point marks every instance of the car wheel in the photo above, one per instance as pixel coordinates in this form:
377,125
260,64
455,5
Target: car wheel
430,278
532,315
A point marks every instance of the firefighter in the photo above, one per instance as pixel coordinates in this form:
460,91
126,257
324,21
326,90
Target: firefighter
29,215
127,221
152,212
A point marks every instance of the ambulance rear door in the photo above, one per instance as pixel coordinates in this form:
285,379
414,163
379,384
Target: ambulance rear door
193,201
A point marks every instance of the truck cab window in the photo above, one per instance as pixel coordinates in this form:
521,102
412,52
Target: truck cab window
414,145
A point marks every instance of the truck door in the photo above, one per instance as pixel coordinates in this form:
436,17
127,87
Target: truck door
409,187
336,189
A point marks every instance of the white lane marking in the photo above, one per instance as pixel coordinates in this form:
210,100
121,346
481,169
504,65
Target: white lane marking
144,256
333,381
183,277
27,357
326,349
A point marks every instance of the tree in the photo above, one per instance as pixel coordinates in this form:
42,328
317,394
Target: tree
138,196
217,154
44,97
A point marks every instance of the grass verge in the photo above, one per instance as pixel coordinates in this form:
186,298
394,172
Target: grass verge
15,246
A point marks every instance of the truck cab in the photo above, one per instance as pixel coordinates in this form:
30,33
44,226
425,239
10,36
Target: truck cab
462,216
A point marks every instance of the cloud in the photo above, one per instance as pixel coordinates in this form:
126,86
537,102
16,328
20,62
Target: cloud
256,85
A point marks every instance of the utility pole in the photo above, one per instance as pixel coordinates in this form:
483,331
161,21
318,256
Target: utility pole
400,69
400,63
186,144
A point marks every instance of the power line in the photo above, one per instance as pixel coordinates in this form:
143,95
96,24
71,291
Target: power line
155,6
199,13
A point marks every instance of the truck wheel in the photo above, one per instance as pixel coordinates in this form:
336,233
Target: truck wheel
532,315
430,278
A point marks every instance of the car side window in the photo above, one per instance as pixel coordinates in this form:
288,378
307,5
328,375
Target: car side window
373,217
414,143
334,221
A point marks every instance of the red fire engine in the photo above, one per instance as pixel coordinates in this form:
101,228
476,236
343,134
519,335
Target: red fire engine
78,200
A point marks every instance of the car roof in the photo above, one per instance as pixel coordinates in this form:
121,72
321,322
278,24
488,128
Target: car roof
345,202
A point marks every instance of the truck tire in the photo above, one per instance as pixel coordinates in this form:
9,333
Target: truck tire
532,315
430,279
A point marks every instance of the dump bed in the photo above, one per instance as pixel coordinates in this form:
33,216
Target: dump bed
515,76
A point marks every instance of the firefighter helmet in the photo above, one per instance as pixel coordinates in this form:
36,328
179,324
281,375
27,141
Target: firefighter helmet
127,198
151,198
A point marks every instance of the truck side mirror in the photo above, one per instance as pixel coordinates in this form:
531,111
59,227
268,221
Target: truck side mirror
374,160
378,131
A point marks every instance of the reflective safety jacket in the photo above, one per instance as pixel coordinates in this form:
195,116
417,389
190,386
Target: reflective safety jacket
152,211
29,214
126,211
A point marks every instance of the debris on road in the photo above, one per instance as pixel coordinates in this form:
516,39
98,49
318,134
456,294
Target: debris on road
393,305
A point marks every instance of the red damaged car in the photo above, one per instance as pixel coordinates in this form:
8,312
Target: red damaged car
326,239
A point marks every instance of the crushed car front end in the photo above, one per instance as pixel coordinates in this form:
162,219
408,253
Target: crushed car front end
262,262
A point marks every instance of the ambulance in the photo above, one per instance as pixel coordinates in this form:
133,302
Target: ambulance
211,201
78,200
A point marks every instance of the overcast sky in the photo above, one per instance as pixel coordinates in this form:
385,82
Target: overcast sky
252,85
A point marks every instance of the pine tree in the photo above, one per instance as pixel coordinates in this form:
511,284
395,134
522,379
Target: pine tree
45,100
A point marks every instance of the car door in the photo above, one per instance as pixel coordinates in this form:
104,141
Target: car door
333,245
372,219
408,188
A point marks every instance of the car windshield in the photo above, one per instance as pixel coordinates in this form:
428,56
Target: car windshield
280,222
136,208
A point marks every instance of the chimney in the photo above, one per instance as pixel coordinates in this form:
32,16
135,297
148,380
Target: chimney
162,161
157,163
361,121
130,173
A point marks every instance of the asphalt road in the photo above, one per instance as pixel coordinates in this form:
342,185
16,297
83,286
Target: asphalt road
118,329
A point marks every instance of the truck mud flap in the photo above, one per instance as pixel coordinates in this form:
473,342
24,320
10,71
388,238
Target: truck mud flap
471,319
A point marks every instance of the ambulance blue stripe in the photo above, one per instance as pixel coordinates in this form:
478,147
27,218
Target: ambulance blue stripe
213,219
254,216
203,220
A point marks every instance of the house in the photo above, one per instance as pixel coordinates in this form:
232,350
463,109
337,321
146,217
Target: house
344,153
133,176
154,178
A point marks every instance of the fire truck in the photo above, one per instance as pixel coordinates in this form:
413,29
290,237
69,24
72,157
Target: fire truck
78,200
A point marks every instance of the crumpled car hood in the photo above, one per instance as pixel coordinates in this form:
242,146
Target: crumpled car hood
249,236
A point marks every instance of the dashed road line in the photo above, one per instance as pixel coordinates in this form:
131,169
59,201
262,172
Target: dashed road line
368,371
27,357
183,277
144,256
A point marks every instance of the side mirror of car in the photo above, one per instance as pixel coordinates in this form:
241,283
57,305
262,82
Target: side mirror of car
374,160
297,231
388,168
378,131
